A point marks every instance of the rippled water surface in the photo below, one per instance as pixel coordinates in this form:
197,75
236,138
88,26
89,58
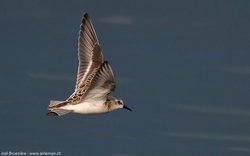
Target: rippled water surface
182,66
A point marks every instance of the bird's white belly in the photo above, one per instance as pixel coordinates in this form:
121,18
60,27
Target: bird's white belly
87,107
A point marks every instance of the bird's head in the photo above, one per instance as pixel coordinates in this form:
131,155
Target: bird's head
116,103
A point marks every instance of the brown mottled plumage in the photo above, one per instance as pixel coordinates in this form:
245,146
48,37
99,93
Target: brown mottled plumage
95,79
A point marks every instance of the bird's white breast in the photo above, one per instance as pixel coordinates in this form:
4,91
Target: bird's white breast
87,107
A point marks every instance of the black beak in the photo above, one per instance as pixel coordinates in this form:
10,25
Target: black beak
124,106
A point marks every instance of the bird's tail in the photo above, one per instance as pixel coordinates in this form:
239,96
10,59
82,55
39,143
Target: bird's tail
57,104
58,112
55,108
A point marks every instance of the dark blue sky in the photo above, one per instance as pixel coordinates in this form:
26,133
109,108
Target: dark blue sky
183,66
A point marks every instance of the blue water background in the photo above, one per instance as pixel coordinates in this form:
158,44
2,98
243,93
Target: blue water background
182,66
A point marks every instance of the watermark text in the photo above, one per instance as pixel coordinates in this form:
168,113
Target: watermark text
22,153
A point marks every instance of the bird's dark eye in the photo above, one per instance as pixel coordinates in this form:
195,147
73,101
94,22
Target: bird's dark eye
119,102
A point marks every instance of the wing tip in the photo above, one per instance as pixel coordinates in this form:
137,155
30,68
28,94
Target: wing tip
105,63
85,17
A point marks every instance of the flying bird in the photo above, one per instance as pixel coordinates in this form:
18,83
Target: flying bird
95,79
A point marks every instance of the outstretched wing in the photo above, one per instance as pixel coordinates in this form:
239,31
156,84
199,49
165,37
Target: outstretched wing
90,58
102,84
89,52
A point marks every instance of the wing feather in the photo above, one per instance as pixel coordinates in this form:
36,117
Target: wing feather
102,84
88,50
90,59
